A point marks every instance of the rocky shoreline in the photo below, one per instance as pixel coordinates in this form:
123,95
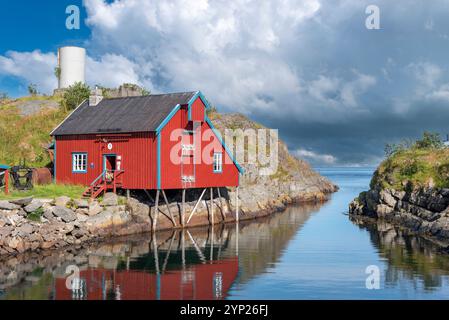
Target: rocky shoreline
34,225
40,224
423,211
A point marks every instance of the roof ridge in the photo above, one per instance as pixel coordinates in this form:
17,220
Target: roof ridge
148,95
133,114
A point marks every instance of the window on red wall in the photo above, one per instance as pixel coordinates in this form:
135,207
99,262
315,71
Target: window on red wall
218,162
79,162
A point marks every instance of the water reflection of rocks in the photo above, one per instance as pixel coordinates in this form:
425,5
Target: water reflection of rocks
199,263
408,256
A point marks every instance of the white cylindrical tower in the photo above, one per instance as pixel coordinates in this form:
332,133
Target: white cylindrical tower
71,63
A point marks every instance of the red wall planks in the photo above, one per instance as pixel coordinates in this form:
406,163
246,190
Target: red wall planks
171,171
197,110
137,150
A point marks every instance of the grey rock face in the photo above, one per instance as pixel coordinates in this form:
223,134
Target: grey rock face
6,205
121,218
33,206
64,213
48,214
94,208
23,201
140,210
22,213
387,198
62,201
425,210
81,203
110,199
25,229
100,221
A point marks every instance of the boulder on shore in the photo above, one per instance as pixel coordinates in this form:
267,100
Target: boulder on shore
110,199
6,205
33,206
62,201
64,213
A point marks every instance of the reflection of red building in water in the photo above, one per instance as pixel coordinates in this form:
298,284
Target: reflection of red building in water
207,281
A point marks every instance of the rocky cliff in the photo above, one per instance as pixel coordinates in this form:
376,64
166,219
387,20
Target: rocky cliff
294,179
409,190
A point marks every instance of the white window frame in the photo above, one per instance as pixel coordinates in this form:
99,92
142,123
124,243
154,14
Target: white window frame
218,162
79,162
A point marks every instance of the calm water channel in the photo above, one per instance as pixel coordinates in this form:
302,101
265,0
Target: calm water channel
306,252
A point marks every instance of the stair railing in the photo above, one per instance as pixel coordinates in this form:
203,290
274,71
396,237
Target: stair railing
105,179
94,183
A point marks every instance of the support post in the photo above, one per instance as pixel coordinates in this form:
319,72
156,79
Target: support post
113,182
128,194
168,208
183,206
6,181
196,205
212,240
237,238
148,195
156,211
183,250
212,205
156,263
237,204
198,250
223,214
164,266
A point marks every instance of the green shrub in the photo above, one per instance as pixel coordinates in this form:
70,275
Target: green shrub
32,89
36,215
409,168
429,140
57,72
74,95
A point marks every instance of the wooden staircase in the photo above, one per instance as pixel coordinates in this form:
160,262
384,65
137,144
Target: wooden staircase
107,180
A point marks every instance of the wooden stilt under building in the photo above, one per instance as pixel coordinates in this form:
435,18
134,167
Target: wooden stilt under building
156,211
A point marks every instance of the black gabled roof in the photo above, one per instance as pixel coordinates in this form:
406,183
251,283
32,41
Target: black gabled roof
130,114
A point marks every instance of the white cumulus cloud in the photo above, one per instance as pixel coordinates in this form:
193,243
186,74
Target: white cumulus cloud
316,158
36,67
234,51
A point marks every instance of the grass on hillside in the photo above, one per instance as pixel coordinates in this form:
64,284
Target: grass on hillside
49,191
24,137
414,167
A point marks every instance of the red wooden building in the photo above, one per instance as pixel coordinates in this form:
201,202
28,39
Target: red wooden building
154,142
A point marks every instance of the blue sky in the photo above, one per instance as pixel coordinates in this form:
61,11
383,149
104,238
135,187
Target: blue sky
27,25
30,25
336,91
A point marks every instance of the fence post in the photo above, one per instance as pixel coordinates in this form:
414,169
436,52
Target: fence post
6,181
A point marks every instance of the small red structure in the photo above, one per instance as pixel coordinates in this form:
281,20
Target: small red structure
153,142
4,177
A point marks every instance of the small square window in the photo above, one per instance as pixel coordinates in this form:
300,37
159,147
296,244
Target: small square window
218,162
79,162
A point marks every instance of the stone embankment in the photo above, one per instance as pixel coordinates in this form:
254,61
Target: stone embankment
424,211
38,224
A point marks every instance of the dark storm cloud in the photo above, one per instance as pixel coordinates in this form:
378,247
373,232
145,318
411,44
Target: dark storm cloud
408,60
